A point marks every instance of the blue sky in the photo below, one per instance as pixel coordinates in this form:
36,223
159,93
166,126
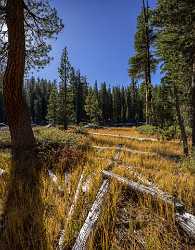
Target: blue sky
99,35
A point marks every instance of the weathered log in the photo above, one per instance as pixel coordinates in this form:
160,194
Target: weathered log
126,137
167,198
92,217
187,223
95,210
185,220
128,150
71,211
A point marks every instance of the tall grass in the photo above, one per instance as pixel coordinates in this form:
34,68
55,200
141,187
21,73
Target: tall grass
128,220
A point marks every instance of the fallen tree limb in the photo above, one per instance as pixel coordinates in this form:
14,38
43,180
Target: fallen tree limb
185,220
125,150
126,137
139,176
167,198
95,210
71,211
91,218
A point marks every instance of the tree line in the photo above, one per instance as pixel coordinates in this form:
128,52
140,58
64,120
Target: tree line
92,103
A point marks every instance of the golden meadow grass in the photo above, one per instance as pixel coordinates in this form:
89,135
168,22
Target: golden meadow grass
127,221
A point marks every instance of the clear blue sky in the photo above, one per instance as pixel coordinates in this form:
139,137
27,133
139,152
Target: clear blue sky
99,35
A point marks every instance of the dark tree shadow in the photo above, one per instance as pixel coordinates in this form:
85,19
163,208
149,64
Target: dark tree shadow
23,225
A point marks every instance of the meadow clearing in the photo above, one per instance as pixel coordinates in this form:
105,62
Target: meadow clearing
128,219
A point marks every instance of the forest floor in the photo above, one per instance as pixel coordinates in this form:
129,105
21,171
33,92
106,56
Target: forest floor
127,220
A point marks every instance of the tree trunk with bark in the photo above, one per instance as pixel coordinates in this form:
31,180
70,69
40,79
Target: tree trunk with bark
193,109
181,122
16,108
148,66
23,226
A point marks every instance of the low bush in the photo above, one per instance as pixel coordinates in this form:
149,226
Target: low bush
168,133
148,129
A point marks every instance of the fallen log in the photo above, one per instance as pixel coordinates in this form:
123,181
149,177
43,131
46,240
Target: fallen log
167,198
187,223
132,168
71,211
185,220
125,150
126,137
95,210
92,217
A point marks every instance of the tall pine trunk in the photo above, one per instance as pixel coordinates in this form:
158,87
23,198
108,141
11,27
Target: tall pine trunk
23,209
148,66
193,108
17,113
181,122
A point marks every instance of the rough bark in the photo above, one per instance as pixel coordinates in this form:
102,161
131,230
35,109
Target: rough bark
16,108
181,122
193,109
148,66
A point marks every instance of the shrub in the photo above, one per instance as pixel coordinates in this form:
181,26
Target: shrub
168,133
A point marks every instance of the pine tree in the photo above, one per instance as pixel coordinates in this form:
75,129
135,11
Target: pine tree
52,115
116,104
123,105
103,98
92,106
174,22
144,63
64,72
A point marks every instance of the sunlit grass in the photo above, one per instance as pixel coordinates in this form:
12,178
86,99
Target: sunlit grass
127,221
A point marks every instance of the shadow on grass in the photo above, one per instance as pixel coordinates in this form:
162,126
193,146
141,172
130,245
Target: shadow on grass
23,225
